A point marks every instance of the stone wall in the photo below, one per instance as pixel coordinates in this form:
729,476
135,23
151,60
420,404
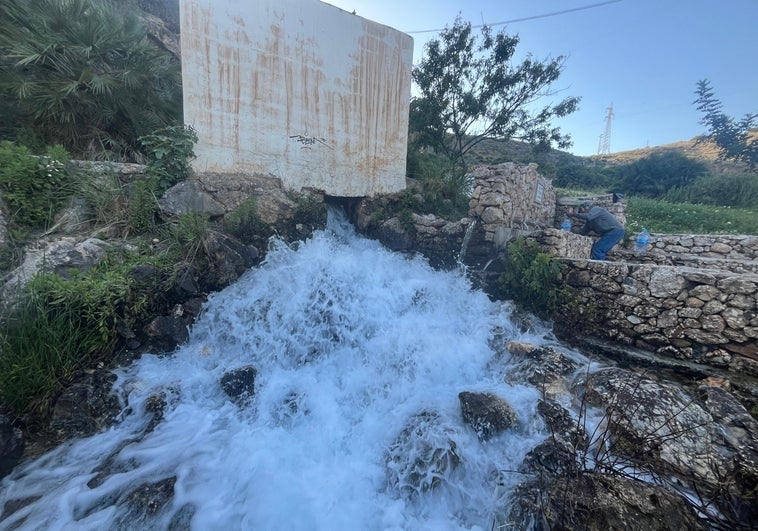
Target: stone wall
704,315
613,203
510,199
736,247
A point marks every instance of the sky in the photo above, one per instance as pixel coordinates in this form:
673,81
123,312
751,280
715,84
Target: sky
643,57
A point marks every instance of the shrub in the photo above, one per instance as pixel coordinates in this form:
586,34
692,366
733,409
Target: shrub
245,224
169,152
531,278
84,73
189,233
445,189
33,187
734,189
143,204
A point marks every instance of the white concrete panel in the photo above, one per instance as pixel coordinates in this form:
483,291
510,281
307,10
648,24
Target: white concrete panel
298,89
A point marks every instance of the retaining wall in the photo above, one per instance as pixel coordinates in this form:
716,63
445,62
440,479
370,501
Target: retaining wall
706,315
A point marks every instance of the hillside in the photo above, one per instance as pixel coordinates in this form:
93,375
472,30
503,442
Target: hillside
495,151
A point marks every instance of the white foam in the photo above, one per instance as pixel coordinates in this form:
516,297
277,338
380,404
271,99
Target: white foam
349,341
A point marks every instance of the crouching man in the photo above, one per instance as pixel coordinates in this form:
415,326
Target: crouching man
601,222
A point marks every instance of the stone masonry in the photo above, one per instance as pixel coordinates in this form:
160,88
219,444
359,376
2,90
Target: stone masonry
510,199
691,297
705,315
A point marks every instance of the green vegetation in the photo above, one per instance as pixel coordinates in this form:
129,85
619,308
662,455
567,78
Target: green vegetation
471,90
33,187
734,189
653,176
61,326
169,153
83,74
445,189
533,279
735,139
682,218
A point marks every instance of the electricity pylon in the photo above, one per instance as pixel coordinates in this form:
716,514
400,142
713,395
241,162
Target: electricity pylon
604,145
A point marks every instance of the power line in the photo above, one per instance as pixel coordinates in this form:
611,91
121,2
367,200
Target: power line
553,14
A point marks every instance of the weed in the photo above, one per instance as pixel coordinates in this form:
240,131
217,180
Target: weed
532,278
33,187
143,205
169,151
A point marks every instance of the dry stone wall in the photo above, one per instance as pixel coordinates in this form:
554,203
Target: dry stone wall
707,316
734,247
510,199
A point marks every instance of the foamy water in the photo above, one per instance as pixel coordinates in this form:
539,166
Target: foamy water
350,341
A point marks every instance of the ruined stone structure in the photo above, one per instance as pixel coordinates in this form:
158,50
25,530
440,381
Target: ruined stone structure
298,90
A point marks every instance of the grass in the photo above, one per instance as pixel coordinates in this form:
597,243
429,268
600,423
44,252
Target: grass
677,218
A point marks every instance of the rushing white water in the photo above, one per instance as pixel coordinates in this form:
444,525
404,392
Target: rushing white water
350,341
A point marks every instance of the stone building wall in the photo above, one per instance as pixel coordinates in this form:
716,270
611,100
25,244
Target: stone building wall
704,315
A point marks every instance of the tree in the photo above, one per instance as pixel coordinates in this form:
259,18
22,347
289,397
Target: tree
83,73
471,90
734,139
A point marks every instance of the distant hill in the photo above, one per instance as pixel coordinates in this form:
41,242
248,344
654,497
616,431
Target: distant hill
496,151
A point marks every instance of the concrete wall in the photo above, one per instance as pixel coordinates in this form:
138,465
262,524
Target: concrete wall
297,89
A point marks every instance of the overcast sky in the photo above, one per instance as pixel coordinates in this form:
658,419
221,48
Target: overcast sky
643,56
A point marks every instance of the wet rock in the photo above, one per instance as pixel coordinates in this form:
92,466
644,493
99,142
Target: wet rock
422,455
182,519
709,442
228,259
86,406
144,503
11,446
487,413
597,502
544,368
239,384
168,331
561,424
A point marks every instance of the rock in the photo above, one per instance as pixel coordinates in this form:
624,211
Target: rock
562,425
11,446
57,256
597,502
168,331
143,504
239,384
189,197
487,413
709,441
544,368
422,455
228,259
86,406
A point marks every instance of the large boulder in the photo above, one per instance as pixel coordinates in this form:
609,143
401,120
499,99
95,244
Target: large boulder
707,439
558,496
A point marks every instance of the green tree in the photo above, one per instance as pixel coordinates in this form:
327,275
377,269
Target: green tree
734,139
656,174
84,74
472,89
